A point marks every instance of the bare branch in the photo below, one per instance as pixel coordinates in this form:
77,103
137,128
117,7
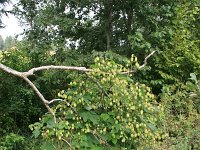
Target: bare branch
100,139
54,100
10,70
52,67
25,75
66,142
145,60
45,102
36,90
128,72
140,67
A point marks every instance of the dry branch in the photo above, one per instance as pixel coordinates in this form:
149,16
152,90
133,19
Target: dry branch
52,67
145,60
25,75
54,100
140,67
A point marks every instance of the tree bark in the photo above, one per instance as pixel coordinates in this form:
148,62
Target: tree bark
130,20
129,23
108,23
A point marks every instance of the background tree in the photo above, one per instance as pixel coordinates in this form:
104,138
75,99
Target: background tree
93,25
2,10
1,43
9,42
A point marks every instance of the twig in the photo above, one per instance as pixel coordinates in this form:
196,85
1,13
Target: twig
100,139
66,142
145,60
140,67
54,100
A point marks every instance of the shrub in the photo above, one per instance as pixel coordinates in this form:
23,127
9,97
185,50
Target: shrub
104,109
182,119
11,141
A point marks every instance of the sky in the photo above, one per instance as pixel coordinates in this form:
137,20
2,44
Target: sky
11,23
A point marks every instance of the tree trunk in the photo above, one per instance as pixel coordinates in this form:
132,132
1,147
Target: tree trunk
129,24
130,19
108,24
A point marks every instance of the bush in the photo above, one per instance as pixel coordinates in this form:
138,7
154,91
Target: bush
11,142
182,119
103,109
19,106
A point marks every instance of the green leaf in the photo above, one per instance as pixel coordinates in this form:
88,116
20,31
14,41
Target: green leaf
90,116
151,126
117,127
105,117
114,140
36,133
97,148
50,124
88,107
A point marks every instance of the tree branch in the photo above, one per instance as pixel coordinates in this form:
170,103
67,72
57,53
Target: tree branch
145,60
54,100
10,70
52,67
142,66
45,102
25,75
66,142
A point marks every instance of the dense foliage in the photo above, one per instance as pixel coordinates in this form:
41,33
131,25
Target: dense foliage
104,109
112,107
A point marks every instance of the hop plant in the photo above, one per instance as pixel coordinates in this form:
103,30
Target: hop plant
105,108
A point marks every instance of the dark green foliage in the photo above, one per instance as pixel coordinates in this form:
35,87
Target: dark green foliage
181,119
180,54
94,25
16,96
11,142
